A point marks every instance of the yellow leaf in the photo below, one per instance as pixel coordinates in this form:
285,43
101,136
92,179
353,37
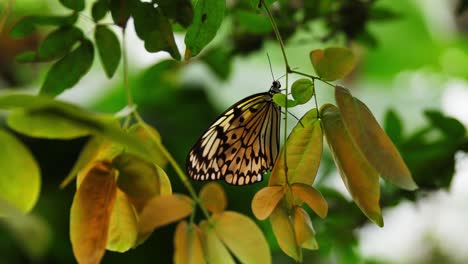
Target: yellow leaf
372,140
242,236
360,178
213,197
332,63
283,229
304,147
149,135
265,201
163,210
305,234
215,250
91,212
123,229
187,244
311,197
20,178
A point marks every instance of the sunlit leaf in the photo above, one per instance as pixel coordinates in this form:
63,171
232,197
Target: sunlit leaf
91,212
108,46
123,227
332,63
27,24
20,178
99,9
207,19
283,229
281,100
266,200
76,5
213,197
360,178
215,250
311,197
32,233
66,72
242,237
179,10
154,29
302,90
120,11
372,140
44,126
138,178
304,147
187,244
305,234
163,210
58,43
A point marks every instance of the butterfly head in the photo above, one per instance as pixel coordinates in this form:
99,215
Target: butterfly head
275,87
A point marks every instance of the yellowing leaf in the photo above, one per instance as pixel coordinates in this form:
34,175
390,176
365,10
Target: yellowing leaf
213,197
215,250
304,147
372,140
137,178
311,197
360,178
305,234
123,228
163,210
332,63
243,238
20,179
91,212
187,244
283,229
265,201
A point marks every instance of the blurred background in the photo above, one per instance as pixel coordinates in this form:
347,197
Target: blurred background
412,72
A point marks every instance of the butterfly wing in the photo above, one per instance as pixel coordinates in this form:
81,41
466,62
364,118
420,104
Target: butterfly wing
241,145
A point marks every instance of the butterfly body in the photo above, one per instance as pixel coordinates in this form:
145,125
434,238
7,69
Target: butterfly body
241,144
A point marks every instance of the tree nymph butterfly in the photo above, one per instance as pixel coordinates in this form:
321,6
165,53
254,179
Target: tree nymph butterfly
241,144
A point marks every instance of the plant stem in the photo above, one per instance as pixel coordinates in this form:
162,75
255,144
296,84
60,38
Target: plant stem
4,15
128,91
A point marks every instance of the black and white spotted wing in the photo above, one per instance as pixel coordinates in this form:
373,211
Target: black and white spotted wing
241,145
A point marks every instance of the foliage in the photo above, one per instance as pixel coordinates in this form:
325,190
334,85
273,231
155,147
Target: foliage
124,190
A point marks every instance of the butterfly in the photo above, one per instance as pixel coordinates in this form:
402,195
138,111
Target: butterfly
241,144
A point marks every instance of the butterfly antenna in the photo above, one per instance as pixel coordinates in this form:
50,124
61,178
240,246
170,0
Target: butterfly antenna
294,117
271,69
295,68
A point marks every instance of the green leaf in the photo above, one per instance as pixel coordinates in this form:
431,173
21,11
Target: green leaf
27,56
58,43
208,17
332,63
302,90
108,46
179,10
450,126
393,126
304,152
215,250
252,22
20,180
382,14
27,25
280,99
99,9
372,140
257,3
121,10
154,29
95,124
360,178
76,5
66,72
